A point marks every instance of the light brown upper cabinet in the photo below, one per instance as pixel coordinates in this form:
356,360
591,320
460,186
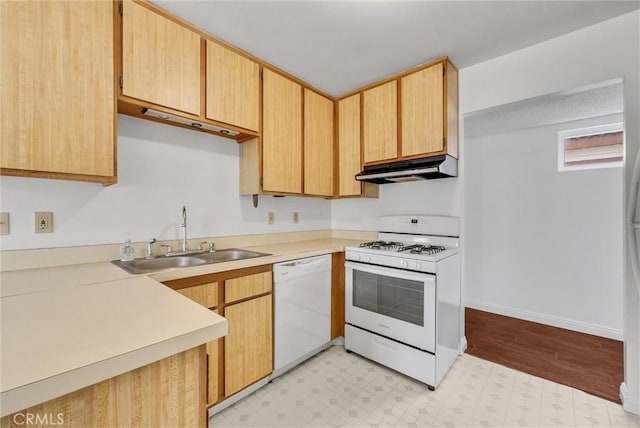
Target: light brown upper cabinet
428,115
286,155
281,134
422,111
318,144
233,87
160,59
348,147
57,114
430,111
164,76
380,123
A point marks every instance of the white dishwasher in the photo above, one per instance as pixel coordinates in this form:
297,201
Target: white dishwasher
302,310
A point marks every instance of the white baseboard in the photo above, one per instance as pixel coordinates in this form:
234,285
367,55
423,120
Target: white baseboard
629,403
462,346
566,323
237,397
338,341
282,370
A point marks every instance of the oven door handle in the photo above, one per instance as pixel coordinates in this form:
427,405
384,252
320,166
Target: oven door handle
390,271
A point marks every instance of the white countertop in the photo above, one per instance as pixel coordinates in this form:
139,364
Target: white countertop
67,327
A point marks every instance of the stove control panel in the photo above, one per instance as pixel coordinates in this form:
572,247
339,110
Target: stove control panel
393,261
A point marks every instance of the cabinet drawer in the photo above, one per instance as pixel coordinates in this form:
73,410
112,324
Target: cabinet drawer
205,294
247,286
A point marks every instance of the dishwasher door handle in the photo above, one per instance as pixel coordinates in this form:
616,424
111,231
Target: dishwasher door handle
304,262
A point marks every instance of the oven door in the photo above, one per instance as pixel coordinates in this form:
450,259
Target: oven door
395,303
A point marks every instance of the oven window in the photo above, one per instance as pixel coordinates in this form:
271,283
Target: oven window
401,299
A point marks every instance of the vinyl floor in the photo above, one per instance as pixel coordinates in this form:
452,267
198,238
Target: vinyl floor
337,389
590,363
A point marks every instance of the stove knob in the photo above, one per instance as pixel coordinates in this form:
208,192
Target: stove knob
356,257
367,259
403,264
418,266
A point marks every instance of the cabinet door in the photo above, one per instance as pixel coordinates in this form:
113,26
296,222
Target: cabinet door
57,114
281,134
318,144
214,392
160,60
337,295
380,123
248,348
207,296
233,87
422,112
349,162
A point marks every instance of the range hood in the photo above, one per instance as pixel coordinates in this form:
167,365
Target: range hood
429,168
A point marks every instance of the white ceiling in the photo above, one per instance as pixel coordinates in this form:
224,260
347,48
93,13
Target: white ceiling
339,46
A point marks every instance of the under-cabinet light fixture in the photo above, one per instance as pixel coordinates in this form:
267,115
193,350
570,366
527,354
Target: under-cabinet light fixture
185,121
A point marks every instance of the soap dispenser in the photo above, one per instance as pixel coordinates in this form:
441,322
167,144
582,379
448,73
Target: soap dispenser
127,251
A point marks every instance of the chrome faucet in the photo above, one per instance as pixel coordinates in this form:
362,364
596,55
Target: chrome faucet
184,229
150,247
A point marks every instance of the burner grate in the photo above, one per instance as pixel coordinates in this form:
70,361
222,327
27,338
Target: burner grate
422,249
382,245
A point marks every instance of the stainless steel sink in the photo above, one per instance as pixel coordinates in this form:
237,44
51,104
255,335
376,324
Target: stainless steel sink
229,254
138,266
160,263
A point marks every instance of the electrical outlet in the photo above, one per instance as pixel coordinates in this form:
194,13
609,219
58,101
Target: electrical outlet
270,218
43,222
4,223
296,217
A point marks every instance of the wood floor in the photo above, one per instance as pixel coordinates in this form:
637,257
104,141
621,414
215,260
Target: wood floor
590,363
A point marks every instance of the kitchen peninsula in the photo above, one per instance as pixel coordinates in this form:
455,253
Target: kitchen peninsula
110,353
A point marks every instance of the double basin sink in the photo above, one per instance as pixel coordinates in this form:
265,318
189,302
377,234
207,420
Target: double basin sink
139,266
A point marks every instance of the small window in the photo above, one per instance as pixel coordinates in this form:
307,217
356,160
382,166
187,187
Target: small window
587,148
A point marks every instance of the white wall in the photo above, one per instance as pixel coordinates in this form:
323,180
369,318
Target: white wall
160,168
441,196
541,244
598,53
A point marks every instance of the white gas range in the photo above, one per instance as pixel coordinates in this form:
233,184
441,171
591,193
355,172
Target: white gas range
403,305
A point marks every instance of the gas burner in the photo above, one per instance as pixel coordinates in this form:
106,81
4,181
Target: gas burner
422,249
382,245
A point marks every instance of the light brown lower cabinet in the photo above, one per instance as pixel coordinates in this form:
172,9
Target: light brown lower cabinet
167,393
214,392
244,298
248,349
337,295
207,294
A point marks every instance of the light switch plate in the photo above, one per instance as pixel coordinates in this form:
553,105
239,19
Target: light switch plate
4,223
